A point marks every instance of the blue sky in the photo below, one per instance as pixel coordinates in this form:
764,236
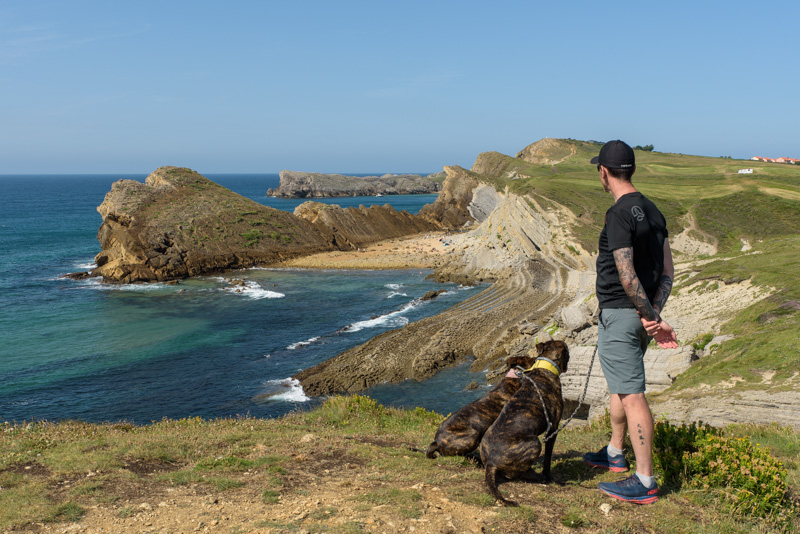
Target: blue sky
341,86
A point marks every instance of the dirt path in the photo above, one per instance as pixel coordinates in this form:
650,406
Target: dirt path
688,242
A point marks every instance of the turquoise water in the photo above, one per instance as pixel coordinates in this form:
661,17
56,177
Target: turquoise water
95,352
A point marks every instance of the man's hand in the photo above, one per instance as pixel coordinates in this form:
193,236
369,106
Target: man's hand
662,332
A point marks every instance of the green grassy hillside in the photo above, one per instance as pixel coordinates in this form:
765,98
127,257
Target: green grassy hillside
762,209
355,466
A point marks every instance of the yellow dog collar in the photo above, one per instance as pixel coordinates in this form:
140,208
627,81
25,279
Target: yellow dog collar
544,363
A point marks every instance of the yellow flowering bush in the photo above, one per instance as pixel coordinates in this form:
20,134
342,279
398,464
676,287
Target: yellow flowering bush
753,482
747,477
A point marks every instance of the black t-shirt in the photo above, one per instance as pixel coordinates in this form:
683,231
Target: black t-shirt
633,221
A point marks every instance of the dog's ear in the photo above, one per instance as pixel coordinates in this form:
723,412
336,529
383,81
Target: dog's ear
539,348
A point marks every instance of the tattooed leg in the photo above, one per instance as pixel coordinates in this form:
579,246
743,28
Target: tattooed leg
640,424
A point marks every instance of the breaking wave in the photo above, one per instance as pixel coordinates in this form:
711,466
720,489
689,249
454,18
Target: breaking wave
285,390
392,319
254,291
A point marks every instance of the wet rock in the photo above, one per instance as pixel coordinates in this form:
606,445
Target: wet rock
430,295
83,275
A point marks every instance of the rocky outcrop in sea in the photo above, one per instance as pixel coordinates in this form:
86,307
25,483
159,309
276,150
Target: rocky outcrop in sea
179,224
295,184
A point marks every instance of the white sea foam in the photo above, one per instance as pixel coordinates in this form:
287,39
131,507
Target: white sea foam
396,294
254,291
383,320
86,266
392,319
97,283
393,286
299,344
286,390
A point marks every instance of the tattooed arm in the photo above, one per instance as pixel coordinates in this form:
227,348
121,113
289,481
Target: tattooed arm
667,276
660,330
623,257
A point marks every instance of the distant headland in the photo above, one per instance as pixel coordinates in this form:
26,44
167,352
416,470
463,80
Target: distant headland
316,185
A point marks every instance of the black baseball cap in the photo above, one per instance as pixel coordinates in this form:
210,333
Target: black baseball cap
616,155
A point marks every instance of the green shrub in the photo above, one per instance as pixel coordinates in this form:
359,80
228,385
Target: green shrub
753,482
671,443
749,480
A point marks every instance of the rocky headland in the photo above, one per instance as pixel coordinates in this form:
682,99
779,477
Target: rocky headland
179,224
295,184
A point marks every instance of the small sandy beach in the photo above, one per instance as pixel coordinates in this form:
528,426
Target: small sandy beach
420,251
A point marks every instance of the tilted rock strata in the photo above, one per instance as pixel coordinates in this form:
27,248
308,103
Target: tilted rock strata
179,224
316,185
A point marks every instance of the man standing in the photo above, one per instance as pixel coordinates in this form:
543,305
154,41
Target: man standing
634,280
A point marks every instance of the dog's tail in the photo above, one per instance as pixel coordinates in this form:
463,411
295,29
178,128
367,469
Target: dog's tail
432,450
491,484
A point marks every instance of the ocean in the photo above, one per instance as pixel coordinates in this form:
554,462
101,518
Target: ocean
139,353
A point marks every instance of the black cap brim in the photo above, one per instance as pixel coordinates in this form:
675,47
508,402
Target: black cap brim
595,160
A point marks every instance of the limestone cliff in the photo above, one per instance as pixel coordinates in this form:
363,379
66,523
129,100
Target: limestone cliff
316,185
179,224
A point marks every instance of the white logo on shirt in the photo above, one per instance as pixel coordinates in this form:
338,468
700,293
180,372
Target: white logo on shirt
638,214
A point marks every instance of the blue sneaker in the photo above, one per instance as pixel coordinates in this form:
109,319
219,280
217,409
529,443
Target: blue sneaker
616,464
630,489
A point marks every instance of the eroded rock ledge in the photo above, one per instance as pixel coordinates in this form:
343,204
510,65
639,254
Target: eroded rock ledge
316,185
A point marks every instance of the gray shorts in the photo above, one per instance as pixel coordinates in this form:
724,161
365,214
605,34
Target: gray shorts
621,344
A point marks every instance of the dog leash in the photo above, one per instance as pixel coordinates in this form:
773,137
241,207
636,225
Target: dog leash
522,374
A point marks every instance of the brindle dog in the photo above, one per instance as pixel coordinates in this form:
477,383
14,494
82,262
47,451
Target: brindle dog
460,433
511,444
